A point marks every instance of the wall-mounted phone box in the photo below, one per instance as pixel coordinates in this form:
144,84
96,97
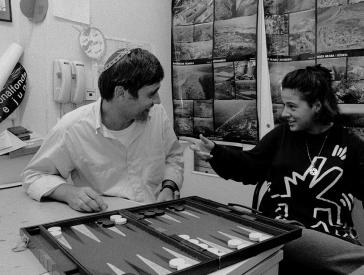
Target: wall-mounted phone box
78,83
61,81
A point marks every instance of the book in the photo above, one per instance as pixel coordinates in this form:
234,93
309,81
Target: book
25,136
18,130
32,145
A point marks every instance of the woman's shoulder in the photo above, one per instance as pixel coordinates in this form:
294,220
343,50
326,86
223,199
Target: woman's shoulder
279,133
279,130
348,136
354,137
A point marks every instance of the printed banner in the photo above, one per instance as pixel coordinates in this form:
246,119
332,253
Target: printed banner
13,91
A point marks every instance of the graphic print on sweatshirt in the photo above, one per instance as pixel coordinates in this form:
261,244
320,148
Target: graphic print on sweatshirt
317,195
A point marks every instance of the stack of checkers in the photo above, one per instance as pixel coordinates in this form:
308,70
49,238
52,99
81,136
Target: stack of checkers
151,213
239,243
118,219
178,263
235,243
177,207
255,236
55,231
213,250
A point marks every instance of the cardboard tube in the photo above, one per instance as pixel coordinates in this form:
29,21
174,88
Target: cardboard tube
8,61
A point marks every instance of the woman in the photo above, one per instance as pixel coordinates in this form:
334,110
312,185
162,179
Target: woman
314,168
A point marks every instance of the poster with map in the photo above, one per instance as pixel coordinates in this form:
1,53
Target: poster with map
214,69
303,33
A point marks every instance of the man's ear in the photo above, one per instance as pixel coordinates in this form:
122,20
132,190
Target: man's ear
119,91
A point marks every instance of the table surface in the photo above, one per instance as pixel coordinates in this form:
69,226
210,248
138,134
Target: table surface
18,210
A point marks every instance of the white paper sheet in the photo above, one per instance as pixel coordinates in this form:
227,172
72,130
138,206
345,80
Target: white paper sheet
8,61
74,10
4,141
11,142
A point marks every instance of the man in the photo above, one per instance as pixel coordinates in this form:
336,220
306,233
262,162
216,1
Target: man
122,145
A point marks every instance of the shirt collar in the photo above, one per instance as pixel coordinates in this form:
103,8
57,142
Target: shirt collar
97,112
98,120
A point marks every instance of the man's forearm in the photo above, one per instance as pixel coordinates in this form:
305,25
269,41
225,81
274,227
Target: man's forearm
38,185
60,193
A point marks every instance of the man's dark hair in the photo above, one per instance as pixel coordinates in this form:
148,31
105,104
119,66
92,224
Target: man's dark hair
134,70
315,83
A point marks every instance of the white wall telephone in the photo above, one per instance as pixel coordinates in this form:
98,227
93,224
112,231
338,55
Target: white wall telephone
61,80
78,85
69,81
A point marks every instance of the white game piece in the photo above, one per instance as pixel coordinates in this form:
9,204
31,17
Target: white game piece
203,245
54,228
255,236
176,262
194,241
184,236
120,221
56,234
234,243
114,217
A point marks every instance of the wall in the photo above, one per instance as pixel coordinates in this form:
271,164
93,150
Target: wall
56,38
140,20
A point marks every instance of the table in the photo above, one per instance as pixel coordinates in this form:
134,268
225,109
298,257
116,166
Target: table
18,210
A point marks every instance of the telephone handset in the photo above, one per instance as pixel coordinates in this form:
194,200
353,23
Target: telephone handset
61,80
78,86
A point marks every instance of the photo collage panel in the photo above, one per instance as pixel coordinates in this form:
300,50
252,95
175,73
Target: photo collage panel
327,32
214,69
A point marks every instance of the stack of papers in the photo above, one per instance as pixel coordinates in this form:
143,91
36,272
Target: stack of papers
13,146
9,142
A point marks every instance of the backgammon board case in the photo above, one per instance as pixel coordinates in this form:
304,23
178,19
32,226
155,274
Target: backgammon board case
191,235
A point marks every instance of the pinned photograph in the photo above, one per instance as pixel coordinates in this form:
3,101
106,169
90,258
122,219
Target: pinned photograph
226,9
235,39
236,120
183,108
338,28
203,108
224,80
302,33
192,42
5,10
193,12
193,81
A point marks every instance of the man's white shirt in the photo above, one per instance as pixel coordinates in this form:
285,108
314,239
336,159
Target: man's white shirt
130,164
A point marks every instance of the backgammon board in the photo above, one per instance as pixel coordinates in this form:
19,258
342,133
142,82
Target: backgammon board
190,235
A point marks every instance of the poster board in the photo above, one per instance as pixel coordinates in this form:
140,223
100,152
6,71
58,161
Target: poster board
214,69
330,33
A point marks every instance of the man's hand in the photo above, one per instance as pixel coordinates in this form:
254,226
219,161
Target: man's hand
83,199
202,146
